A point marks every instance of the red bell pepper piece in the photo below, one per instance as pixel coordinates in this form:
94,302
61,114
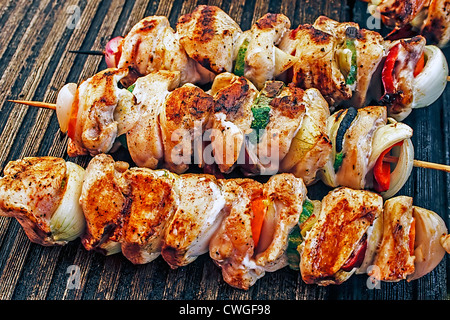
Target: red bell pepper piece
420,65
356,258
259,212
382,171
387,74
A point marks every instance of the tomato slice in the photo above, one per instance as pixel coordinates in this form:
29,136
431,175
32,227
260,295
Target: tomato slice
382,171
259,209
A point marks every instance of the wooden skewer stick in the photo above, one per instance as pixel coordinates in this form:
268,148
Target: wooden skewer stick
390,159
420,164
36,104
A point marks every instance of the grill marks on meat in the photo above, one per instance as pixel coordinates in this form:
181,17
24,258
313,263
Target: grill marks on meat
96,99
103,203
317,66
232,246
152,45
153,200
208,34
397,13
183,121
345,217
233,117
394,258
264,60
146,213
233,249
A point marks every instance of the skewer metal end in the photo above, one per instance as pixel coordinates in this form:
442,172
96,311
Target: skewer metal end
36,104
89,52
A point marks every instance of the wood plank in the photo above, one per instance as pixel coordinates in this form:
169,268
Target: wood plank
23,51
15,12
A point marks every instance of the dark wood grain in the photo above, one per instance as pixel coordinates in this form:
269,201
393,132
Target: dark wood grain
35,63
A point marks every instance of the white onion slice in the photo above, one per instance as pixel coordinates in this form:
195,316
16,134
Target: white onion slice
374,236
430,83
402,170
384,138
427,248
64,102
67,222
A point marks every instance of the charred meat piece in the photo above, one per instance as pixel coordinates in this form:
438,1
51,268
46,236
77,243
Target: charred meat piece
335,245
103,204
208,35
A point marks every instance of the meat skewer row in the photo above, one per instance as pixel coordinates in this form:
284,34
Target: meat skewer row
248,228
402,74
279,129
207,42
426,17
348,65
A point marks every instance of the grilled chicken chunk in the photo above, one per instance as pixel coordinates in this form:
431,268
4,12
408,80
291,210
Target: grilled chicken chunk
355,138
232,247
31,191
357,147
243,258
272,143
316,66
144,140
430,18
436,27
96,100
208,35
263,60
152,45
153,198
232,118
199,214
399,96
183,120
344,220
369,46
286,195
335,28
395,257
103,202
310,148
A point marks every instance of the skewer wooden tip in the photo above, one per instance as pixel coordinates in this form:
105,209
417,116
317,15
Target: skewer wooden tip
36,104
420,164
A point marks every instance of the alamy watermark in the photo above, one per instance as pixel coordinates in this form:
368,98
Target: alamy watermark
74,279
74,19
374,21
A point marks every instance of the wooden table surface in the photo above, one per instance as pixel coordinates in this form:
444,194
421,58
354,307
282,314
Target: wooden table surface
35,37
